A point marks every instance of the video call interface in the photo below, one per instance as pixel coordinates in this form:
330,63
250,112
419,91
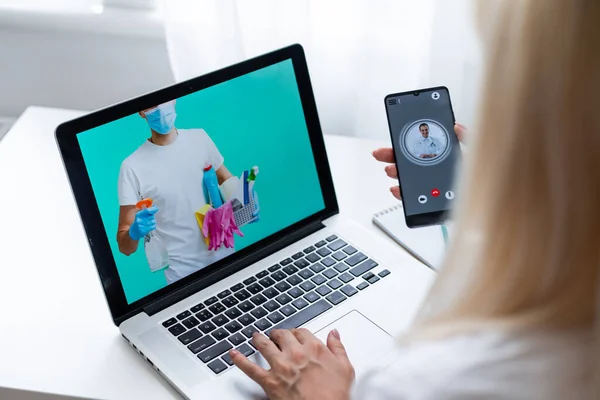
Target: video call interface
182,184
426,149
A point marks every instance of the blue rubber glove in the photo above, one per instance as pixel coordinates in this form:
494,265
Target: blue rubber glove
256,213
144,223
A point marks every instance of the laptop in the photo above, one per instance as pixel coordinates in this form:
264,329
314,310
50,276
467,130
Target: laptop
160,182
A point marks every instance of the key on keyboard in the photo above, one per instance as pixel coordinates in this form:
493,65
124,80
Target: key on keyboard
349,290
169,322
338,244
230,301
309,249
313,257
214,351
270,292
278,275
237,339
294,280
362,268
242,295
246,319
271,305
302,317
220,334
233,326
300,303
262,274
189,336
201,344
220,320
210,301
287,310
349,250
319,279
190,322
177,329
233,313
204,315
217,308
197,308
274,268
311,297
266,282
336,298
355,259
217,366
259,312
249,281
290,269
254,288
275,317
183,315
282,286
246,306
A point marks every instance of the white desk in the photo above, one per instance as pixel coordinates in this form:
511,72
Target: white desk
56,333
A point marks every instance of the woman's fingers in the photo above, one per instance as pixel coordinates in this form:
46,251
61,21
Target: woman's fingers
385,154
284,338
266,347
303,335
391,171
396,192
460,131
255,372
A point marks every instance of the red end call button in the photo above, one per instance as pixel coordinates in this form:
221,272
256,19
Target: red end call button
435,193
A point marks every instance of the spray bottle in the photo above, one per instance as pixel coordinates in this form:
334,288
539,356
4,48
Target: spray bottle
212,186
156,251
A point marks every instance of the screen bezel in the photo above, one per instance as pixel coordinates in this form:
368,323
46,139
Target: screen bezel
66,137
430,218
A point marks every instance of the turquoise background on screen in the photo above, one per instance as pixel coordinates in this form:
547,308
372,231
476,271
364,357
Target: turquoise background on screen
255,119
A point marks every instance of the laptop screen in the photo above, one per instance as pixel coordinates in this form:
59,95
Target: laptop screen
187,183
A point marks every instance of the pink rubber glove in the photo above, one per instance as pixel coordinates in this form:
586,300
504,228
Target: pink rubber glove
212,228
229,225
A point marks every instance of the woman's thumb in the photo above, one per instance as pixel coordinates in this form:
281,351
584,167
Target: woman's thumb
335,345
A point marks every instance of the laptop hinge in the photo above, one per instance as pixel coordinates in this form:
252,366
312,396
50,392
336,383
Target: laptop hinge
194,287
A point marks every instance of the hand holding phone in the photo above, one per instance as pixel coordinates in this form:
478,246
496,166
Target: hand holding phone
425,150
386,155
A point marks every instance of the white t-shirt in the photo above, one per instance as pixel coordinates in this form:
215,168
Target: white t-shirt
172,176
487,365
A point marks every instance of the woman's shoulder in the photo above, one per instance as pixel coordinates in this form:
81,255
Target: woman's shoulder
486,365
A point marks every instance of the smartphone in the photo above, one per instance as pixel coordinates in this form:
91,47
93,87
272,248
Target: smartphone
426,150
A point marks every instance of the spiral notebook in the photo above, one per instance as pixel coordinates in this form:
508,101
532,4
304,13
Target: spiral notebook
427,244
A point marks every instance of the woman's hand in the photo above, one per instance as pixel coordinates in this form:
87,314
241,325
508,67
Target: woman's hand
386,155
302,367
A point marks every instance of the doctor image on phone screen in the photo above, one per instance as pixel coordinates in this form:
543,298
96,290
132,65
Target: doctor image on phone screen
427,146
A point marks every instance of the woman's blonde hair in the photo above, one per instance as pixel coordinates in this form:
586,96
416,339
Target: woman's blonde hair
526,252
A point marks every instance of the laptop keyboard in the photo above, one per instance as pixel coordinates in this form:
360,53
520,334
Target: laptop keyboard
284,296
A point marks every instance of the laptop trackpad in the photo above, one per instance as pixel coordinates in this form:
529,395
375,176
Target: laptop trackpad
364,341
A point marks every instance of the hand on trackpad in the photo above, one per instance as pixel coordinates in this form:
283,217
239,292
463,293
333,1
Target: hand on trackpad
364,341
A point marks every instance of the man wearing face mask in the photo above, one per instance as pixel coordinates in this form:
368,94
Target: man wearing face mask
168,167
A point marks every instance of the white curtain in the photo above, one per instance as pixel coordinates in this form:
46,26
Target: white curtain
358,50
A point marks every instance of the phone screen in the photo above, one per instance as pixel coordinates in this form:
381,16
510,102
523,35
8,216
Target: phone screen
427,151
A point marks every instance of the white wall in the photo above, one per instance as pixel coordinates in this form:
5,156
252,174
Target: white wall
77,62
